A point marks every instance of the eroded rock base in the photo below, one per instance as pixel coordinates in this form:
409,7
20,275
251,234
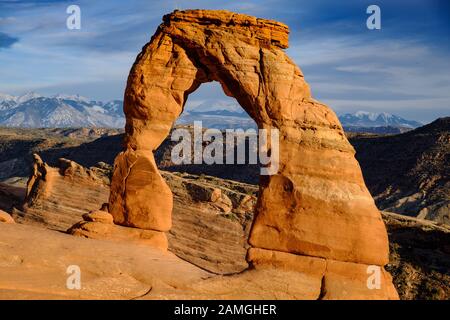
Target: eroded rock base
99,225
336,280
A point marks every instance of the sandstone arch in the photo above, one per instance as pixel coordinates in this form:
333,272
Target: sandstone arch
317,205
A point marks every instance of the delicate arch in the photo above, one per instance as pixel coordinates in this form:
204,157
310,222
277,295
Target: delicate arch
317,205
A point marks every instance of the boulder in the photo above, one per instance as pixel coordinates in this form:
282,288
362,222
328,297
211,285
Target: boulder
5,217
98,216
111,232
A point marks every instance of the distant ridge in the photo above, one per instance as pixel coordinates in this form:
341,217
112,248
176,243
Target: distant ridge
409,173
33,110
364,119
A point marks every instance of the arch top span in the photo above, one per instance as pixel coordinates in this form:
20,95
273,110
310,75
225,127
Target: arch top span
316,205
243,53
264,31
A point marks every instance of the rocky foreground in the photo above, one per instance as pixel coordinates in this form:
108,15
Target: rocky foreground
207,246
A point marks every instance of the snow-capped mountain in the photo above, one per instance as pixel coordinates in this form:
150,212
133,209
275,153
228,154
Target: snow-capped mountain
73,97
6,103
34,110
7,98
372,119
217,114
61,110
210,105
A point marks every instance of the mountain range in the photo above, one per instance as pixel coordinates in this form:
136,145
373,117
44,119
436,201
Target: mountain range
222,114
372,122
33,110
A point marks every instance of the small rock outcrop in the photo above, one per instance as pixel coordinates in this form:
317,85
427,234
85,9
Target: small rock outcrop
5,217
99,225
317,205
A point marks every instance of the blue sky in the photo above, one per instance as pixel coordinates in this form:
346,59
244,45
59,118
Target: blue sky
404,68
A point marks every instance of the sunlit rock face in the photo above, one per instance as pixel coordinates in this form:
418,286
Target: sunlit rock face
317,204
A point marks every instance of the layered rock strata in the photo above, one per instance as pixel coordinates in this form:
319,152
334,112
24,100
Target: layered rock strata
58,196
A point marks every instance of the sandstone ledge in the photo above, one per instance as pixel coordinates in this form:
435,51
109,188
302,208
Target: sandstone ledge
338,280
104,229
124,270
267,31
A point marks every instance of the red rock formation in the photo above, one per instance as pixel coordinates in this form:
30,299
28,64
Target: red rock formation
58,196
317,205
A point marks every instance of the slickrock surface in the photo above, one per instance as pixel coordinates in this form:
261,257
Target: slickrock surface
316,229
98,216
203,232
316,205
121,270
109,270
